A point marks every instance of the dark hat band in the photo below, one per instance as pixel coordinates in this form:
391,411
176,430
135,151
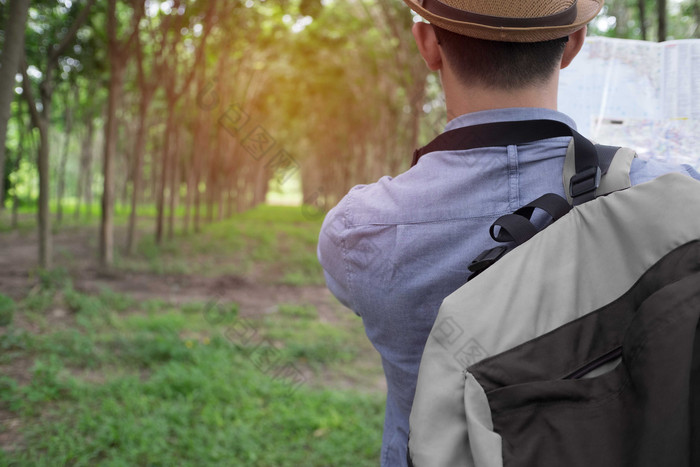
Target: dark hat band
562,18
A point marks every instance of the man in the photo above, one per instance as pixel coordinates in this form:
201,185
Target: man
394,249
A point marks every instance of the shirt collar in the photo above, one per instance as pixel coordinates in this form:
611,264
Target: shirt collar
506,115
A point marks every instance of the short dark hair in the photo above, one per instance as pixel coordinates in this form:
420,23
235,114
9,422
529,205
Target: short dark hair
502,65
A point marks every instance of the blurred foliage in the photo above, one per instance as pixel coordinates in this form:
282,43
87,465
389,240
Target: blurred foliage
336,90
623,19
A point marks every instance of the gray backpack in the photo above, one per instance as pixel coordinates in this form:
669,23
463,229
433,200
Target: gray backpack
581,346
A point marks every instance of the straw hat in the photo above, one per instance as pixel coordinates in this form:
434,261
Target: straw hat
509,20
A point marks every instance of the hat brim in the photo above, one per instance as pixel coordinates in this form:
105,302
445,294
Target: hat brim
586,10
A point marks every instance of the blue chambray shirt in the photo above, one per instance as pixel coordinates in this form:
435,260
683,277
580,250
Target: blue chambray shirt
394,249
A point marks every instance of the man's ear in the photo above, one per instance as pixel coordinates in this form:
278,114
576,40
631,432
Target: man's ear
428,45
573,46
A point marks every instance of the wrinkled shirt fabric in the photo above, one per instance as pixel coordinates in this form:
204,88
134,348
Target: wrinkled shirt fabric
393,250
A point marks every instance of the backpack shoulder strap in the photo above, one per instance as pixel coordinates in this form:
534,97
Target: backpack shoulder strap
615,164
582,185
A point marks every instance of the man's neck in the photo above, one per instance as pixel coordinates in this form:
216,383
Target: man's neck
461,99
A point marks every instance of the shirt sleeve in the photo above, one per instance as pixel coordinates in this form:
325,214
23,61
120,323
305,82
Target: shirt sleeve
646,170
332,254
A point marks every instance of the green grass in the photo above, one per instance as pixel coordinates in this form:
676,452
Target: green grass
127,383
102,379
7,310
276,244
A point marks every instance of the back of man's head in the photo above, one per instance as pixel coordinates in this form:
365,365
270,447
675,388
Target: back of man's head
500,65
505,44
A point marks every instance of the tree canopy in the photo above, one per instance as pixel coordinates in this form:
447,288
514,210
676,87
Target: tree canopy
203,107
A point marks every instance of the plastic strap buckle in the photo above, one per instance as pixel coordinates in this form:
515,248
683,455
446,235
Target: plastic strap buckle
585,181
487,258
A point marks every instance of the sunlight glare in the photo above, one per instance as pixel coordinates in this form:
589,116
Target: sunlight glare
34,72
152,8
167,6
301,24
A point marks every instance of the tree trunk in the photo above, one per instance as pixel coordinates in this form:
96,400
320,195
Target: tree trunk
42,120
118,53
15,194
137,177
262,184
661,9
220,199
642,7
88,168
165,170
110,147
44,216
68,116
193,175
197,204
240,193
201,166
80,186
230,200
212,182
211,197
9,66
155,177
127,169
62,179
84,178
18,162
174,184
190,178
173,95
189,194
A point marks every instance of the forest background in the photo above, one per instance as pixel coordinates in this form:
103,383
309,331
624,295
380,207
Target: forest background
164,170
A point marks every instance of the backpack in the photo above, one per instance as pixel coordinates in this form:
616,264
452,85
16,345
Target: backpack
574,345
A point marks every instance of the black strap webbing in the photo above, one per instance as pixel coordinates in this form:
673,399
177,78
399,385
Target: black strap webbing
506,134
587,177
605,156
517,227
552,204
513,228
